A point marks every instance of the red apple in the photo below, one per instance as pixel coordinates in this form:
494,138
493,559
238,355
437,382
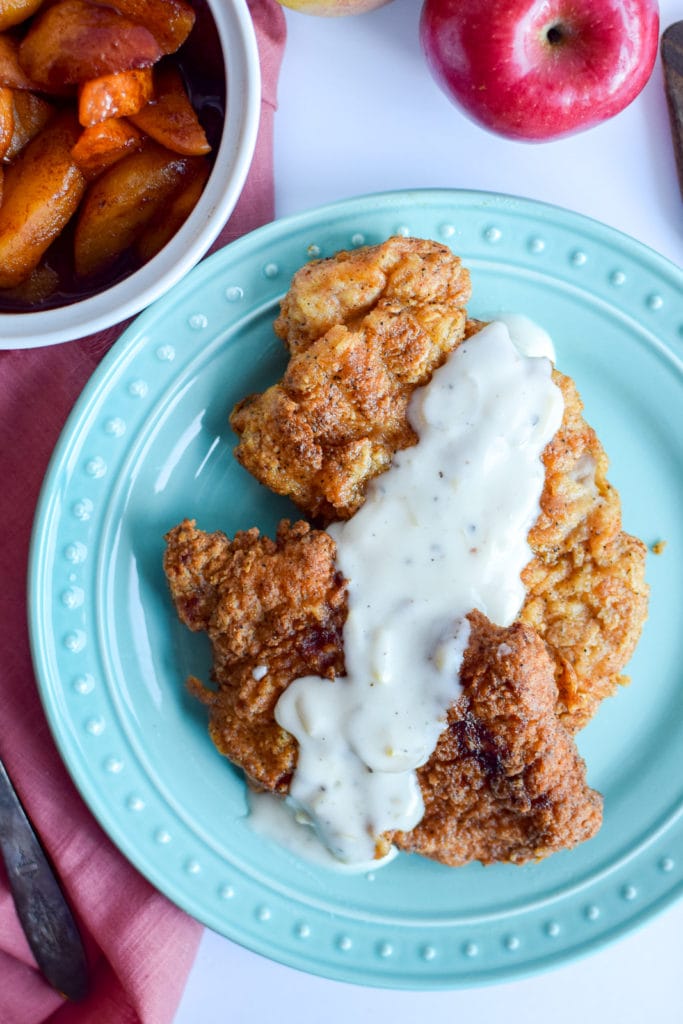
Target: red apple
333,8
540,69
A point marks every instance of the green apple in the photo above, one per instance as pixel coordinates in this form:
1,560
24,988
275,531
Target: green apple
333,8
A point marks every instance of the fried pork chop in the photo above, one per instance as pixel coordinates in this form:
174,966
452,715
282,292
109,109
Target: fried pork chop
278,604
505,782
364,329
586,590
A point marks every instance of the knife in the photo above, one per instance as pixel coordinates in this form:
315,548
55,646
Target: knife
41,906
672,62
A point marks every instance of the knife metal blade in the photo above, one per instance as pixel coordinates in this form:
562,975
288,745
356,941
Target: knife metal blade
41,905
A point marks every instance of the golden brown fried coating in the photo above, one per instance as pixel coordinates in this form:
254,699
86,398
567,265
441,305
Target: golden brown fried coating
364,329
505,781
266,605
586,591
339,415
416,275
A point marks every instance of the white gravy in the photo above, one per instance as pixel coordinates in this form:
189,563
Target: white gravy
277,820
442,532
527,336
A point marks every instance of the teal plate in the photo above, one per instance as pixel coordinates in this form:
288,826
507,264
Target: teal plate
148,443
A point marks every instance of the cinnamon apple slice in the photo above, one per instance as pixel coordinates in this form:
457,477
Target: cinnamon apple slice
104,144
118,95
169,21
73,41
43,188
170,117
121,202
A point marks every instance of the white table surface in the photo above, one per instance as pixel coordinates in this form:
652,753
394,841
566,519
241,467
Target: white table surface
359,113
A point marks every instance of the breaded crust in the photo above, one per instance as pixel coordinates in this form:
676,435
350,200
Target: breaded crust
505,782
364,330
586,590
277,605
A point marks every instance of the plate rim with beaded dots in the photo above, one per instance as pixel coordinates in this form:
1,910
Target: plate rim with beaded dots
148,443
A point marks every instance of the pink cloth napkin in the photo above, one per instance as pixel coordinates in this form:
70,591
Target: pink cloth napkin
140,947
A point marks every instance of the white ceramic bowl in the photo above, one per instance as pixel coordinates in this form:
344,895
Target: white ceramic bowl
225,183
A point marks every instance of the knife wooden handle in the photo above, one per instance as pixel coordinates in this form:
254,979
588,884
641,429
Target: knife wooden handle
672,61
41,906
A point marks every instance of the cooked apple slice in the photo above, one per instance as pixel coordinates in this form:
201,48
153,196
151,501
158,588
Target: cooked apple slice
169,21
6,119
121,202
74,41
31,114
103,144
12,74
117,95
173,216
38,286
170,118
43,188
13,12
